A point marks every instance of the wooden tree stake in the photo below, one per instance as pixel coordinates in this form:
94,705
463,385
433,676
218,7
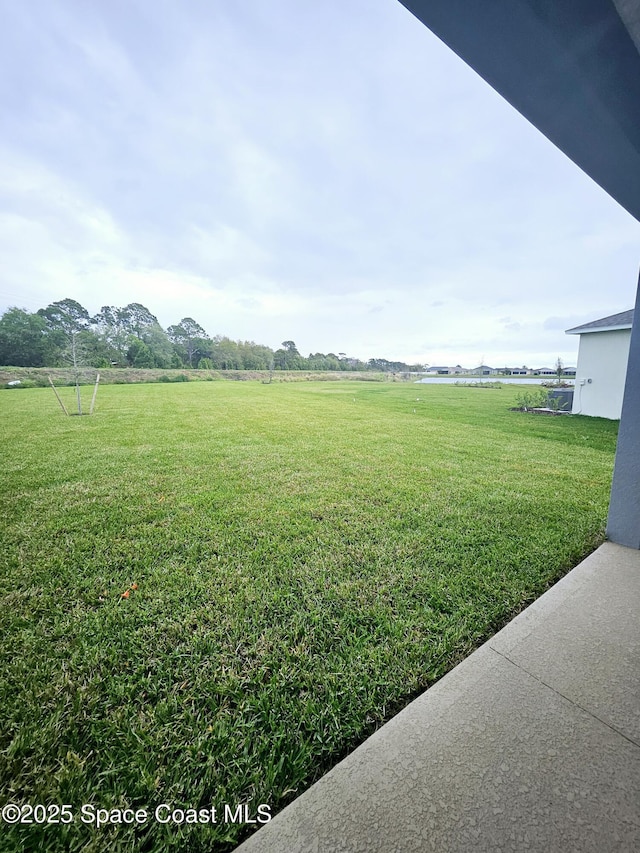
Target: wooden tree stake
55,391
95,391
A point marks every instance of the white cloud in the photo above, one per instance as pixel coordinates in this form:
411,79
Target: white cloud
325,173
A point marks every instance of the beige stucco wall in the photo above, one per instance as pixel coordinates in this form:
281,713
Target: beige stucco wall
602,358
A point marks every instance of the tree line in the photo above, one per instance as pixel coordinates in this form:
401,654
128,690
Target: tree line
64,333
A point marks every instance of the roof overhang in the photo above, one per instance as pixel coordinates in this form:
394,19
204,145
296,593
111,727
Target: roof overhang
601,329
571,68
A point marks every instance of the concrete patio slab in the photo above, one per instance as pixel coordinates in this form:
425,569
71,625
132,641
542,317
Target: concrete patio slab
529,744
577,649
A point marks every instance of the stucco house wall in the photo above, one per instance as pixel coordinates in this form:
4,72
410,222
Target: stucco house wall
601,373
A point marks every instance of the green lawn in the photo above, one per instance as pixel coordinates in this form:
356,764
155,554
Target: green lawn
307,557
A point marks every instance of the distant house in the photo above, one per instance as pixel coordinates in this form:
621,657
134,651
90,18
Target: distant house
484,370
602,365
544,371
437,370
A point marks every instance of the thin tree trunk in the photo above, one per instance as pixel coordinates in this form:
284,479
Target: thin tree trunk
74,356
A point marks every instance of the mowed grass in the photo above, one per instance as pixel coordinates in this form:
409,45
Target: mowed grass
300,559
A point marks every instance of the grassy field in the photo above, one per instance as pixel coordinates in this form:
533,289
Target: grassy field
211,592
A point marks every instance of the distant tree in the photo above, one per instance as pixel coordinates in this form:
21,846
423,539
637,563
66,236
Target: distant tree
69,324
280,359
559,369
112,326
66,315
63,331
224,354
189,337
96,351
139,354
393,366
379,364
317,361
23,339
64,320
157,340
138,318
288,357
254,356
119,328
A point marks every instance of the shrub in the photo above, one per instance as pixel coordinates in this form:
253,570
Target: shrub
533,399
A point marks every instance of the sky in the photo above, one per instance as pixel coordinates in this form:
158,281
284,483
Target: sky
328,173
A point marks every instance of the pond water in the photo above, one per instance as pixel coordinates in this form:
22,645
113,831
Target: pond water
505,380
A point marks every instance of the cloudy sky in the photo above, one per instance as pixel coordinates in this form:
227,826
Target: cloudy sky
328,173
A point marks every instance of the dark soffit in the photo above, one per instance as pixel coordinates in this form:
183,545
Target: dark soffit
571,67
